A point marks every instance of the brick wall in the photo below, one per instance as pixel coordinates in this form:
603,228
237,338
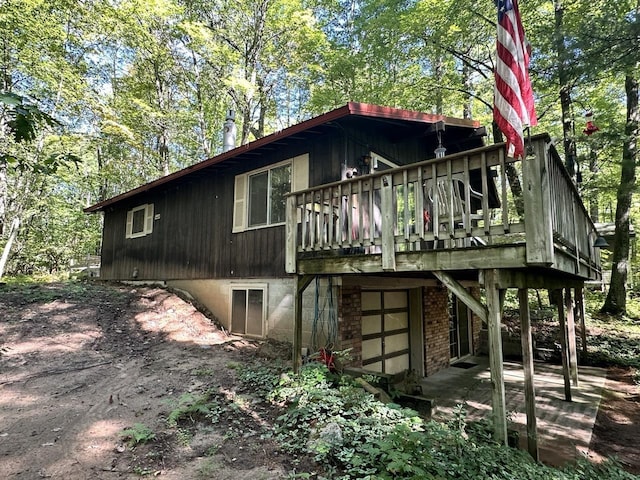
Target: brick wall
350,323
477,323
436,329
436,326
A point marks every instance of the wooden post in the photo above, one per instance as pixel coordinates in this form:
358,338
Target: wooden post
536,198
527,363
302,282
388,224
580,314
291,234
564,341
571,336
494,317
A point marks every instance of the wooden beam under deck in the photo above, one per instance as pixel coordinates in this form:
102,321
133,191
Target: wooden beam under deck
512,256
463,294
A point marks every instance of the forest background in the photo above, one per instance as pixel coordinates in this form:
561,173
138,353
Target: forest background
100,96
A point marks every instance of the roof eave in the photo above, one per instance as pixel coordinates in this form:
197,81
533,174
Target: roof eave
351,108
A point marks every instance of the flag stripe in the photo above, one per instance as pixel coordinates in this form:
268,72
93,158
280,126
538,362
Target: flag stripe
513,99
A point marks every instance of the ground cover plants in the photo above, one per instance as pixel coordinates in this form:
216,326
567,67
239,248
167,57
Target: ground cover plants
350,435
137,392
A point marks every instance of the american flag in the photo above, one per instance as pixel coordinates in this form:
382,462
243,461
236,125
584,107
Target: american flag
513,98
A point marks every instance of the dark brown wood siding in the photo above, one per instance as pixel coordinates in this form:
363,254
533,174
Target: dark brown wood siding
192,237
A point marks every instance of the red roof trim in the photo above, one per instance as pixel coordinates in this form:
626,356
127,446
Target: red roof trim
351,108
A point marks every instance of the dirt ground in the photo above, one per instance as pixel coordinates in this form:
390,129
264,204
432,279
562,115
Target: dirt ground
87,361
617,430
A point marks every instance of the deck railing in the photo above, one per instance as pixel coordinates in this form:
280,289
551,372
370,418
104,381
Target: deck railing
473,199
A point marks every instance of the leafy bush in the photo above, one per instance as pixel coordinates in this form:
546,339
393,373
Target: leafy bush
191,408
138,434
260,378
351,435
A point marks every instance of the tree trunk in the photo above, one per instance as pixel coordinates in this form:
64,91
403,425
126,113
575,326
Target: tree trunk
512,175
616,301
7,248
594,206
468,86
565,91
3,196
439,74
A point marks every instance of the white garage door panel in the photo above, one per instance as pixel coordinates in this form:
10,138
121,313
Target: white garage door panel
385,331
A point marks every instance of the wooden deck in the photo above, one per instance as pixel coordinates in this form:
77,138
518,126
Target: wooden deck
471,211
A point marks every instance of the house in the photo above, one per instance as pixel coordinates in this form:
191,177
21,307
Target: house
217,229
355,230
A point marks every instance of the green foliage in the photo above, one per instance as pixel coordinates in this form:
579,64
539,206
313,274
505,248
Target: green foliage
612,340
191,408
34,291
351,435
137,434
259,378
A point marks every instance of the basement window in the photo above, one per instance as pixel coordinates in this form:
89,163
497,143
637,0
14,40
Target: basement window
140,221
248,310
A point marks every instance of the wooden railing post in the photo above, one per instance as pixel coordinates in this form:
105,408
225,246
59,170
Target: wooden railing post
291,234
537,203
387,227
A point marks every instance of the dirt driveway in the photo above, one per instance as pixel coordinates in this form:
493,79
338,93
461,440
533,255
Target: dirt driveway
87,361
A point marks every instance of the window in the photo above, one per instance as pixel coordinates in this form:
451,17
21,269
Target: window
140,221
260,196
248,310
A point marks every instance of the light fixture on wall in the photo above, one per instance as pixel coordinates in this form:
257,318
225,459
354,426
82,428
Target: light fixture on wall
440,151
600,242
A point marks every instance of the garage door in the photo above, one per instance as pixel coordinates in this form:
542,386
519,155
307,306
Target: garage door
385,331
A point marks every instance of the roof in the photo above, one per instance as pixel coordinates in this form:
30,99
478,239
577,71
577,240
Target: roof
608,230
351,109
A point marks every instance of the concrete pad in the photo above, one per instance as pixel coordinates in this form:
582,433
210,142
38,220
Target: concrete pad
564,428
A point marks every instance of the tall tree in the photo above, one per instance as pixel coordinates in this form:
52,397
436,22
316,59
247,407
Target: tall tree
616,301
611,41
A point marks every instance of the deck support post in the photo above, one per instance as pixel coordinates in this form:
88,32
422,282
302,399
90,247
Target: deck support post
571,336
494,316
301,283
580,314
527,363
564,342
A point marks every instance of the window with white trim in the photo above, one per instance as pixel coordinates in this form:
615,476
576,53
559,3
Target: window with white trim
260,195
248,309
139,221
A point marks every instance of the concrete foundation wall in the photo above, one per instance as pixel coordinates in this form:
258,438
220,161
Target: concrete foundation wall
215,295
